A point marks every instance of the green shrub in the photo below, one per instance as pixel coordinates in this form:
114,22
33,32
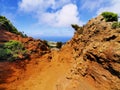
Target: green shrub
75,26
110,16
59,44
116,25
4,53
13,50
14,45
45,42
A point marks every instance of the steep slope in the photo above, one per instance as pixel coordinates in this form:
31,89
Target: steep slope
97,54
11,71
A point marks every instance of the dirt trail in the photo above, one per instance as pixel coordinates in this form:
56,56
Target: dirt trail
53,76
46,79
41,74
45,74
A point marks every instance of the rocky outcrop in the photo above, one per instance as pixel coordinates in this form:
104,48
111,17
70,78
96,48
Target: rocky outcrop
97,54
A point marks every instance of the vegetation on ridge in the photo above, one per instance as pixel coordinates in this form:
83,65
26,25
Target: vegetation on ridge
75,26
110,16
5,24
116,25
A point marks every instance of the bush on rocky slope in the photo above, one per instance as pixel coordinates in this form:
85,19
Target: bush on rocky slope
59,44
110,16
116,25
13,50
77,28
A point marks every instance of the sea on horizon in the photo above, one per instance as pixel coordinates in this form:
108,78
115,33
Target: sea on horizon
54,39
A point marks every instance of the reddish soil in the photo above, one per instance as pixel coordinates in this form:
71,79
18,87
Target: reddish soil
41,74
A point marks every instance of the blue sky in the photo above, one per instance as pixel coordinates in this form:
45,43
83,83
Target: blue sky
53,17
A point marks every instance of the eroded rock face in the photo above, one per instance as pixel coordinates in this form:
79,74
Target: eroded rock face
97,53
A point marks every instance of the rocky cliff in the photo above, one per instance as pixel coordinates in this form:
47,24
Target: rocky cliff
96,49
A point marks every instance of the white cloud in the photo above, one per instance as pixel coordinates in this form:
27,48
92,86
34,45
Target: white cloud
29,5
64,17
101,5
92,4
114,6
68,15
33,5
62,13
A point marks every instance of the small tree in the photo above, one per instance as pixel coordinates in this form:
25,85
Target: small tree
45,42
110,16
75,26
59,44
